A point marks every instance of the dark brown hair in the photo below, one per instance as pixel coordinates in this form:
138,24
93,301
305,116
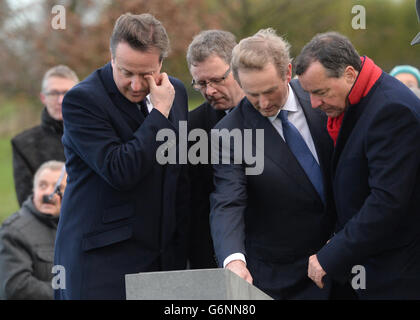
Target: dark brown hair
142,32
333,50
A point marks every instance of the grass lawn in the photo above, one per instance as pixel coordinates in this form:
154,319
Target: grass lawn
8,201
194,102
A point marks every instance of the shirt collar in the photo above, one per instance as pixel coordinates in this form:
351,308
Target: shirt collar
149,103
290,105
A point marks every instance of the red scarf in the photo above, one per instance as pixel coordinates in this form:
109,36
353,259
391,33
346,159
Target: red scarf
367,77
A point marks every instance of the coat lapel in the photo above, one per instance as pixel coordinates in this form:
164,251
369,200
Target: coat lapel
351,117
275,148
213,117
125,106
317,123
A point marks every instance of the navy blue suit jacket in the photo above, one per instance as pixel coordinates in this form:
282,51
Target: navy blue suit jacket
201,253
276,219
376,183
122,211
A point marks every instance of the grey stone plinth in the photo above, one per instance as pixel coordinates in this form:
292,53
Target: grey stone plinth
203,284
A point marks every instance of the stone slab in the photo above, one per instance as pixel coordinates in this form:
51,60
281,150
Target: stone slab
202,284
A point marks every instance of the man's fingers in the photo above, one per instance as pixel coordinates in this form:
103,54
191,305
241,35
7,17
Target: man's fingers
317,279
164,80
319,283
315,271
239,267
150,81
249,278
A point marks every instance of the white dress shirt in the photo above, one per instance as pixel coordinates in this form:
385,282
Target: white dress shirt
298,119
148,104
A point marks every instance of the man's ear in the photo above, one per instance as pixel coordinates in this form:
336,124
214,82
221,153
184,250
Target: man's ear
289,72
43,98
350,74
160,66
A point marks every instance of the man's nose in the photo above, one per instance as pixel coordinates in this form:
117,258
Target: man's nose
263,102
316,102
48,191
210,91
137,83
61,97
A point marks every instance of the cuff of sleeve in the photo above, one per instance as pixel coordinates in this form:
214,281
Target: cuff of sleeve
330,261
234,256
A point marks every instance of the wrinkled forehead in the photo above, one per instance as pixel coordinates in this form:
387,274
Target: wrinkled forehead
315,77
136,61
47,174
56,82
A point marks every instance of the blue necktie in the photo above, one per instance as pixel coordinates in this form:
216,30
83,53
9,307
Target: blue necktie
302,153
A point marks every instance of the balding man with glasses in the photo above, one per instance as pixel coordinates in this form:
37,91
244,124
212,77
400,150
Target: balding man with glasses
34,146
208,58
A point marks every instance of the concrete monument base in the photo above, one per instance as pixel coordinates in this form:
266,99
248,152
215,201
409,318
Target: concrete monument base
202,284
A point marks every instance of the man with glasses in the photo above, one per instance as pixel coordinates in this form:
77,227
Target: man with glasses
208,58
34,146
123,212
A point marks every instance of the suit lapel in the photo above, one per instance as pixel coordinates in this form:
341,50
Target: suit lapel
172,117
128,108
213,117
275,148
351,117
317,123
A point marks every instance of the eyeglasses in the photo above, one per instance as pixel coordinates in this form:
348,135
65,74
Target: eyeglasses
55,94
202,85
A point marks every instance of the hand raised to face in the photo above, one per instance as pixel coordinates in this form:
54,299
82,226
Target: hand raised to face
162,92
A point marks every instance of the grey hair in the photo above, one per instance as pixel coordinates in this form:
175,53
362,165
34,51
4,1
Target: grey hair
60,71
333,50
142,32
52,165
211,42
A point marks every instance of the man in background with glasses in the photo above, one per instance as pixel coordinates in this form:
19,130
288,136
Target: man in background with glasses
34,146
208,58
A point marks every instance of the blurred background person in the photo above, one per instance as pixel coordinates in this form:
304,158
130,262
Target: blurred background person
416,91
27,238
408,75
39,144
208,58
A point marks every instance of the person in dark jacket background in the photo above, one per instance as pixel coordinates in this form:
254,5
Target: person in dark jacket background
208,58
27,238
34,146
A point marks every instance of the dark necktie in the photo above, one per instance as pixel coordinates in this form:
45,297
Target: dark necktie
302,153
143,108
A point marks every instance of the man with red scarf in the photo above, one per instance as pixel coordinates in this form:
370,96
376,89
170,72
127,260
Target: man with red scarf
374,121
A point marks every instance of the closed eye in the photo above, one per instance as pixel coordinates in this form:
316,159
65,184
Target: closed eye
319,93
